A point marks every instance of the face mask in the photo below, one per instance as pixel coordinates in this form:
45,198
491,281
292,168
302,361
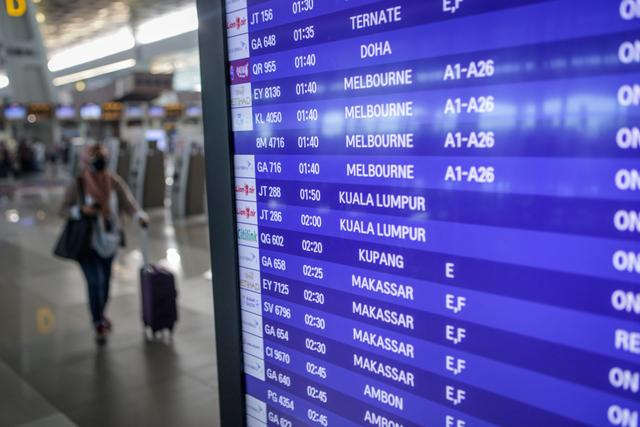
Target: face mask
99,164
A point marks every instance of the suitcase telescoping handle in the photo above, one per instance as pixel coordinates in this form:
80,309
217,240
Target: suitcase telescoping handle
144,246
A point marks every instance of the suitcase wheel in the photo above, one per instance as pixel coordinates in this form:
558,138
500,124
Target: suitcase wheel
158,335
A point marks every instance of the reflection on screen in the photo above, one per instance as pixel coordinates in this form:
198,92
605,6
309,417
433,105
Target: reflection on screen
437,210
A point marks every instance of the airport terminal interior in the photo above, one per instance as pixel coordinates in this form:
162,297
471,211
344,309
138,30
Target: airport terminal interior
319,213
72,74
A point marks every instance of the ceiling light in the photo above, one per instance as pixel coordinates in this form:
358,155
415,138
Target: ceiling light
169,25
94,49
94,72
36,1
4,80
80,86
40,17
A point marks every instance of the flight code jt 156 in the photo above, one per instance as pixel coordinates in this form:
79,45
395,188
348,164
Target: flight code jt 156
263,16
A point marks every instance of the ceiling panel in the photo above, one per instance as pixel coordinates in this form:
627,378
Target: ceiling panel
68,22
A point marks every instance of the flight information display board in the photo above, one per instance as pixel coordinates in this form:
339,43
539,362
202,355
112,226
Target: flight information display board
437,209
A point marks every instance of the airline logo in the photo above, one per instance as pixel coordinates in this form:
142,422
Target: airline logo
242,119
254,367
240,71
248,235
246,189
251,301
237,23
256,408
247,212
238,47
252,422
249,257
244,165
233,5
250,279
251,323
241,95
253,345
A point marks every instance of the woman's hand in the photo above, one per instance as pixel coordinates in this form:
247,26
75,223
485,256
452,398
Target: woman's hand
87,210
144,222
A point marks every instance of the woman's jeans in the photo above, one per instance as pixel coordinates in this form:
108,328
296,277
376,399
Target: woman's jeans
97,271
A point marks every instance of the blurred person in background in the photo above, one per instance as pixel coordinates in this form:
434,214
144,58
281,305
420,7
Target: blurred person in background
24,153
39,155
5,160
107,200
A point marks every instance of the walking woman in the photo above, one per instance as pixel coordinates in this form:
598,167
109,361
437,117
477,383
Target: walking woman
105,197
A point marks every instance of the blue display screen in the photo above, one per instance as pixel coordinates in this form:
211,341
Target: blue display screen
134,112
15,112
155,111
90,111
66,112
438,211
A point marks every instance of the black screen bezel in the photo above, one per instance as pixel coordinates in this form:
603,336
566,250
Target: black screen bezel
220,181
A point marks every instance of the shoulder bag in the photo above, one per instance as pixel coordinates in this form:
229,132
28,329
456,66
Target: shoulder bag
75,241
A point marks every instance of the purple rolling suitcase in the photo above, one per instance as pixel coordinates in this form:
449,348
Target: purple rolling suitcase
159,310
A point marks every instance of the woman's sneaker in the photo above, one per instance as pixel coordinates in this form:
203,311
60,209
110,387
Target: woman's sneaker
101,334
107,324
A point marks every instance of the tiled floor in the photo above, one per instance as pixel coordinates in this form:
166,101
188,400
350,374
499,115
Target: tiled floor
52,374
